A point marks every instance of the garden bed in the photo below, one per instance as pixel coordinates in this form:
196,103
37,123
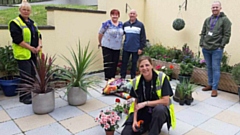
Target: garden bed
199,76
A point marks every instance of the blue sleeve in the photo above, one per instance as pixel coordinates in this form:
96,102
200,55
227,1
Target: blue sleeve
142,38
104,27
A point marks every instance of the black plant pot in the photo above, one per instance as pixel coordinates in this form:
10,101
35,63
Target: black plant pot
181,78
188,101
181,101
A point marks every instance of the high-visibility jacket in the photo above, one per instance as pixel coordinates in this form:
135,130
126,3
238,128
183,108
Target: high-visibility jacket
21,53
159,82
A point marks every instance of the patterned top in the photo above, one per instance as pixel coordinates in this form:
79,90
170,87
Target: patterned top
112,35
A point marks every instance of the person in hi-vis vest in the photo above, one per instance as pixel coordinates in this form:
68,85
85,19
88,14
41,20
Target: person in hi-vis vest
153,105
26,43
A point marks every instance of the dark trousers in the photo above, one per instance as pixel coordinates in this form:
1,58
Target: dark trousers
26,68
110,60
125,59
160,115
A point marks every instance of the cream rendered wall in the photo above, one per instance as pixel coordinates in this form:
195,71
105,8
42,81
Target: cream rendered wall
5,37
159,15
108,5
71,27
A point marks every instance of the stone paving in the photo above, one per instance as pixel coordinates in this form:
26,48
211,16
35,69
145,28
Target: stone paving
206,115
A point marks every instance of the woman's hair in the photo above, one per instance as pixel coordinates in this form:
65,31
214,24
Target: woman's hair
24,4
115,11
144,58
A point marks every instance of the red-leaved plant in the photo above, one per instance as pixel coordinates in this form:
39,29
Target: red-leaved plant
41,82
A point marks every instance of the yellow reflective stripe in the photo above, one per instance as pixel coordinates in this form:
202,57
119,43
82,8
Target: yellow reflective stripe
172,116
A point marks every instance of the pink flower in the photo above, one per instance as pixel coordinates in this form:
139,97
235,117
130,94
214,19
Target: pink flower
202,61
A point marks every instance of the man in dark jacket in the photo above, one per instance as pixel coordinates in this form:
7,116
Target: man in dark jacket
135,39
215,35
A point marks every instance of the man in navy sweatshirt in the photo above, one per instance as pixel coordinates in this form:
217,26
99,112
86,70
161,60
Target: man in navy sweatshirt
135,39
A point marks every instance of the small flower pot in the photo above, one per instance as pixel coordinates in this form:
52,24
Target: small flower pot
109,132
188,101
181,101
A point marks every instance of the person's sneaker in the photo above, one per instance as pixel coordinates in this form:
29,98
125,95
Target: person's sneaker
214,93
207,88
26,101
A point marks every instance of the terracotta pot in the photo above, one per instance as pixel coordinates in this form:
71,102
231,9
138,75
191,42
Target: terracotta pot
110,132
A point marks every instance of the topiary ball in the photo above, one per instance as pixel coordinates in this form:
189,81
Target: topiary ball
178,24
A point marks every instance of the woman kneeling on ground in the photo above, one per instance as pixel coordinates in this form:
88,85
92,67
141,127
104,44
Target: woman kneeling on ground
152,92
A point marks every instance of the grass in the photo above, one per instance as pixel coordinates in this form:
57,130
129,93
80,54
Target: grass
39,13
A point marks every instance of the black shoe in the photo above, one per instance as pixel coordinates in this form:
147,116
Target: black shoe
26,101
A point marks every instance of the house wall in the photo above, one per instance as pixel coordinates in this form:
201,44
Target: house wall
157,16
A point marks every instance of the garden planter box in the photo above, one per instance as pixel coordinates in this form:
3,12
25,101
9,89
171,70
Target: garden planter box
176,67
199,76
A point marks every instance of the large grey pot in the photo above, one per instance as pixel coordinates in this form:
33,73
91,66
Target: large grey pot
76,96
43,103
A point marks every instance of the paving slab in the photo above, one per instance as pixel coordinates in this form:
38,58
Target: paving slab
4,116
192,117
181,128
219,127
235,108
92,105
59,102
20,111
218,102
10,103
206,109
97,130
79,123
229,117
109,99
51,129
33,121
9,128
65,113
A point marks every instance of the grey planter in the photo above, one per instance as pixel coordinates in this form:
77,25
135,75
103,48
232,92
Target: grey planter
76,96
43,103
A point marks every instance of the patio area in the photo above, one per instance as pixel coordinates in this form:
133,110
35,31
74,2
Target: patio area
206,115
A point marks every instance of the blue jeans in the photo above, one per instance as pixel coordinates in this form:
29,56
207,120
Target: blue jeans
125,59
213,60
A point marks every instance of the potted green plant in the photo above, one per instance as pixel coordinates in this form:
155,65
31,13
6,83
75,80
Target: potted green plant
78,77
236,76
43,99
9,68
180,93
186,70
189,88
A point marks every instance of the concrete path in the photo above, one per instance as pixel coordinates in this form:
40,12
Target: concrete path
206,115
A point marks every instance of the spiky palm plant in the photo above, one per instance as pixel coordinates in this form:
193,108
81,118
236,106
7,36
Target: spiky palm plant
78,75
41,82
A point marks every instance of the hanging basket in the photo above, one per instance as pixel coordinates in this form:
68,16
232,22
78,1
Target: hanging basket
178,24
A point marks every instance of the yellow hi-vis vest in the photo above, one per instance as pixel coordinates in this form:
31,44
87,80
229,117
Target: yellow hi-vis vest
159,83
21,53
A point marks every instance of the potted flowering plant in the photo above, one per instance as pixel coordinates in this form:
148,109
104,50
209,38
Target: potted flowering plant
108,120
119,108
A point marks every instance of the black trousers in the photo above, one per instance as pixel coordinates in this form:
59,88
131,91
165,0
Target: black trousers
160,115
125,59
110,60
26,68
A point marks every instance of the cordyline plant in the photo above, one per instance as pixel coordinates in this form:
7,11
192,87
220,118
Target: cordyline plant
41,82
79,76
